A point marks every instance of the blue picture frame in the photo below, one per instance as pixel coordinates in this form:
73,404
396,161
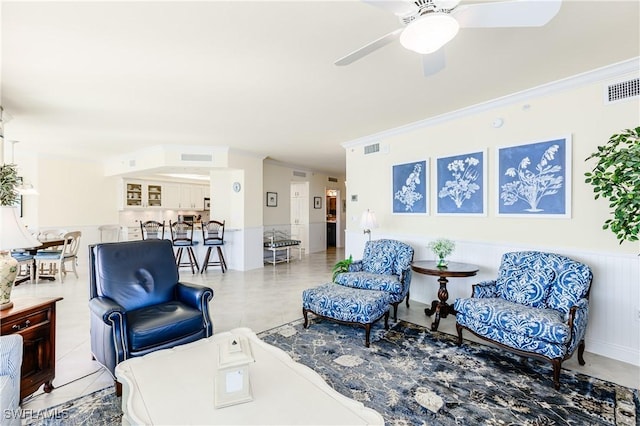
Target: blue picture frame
534,179
410,184
461,184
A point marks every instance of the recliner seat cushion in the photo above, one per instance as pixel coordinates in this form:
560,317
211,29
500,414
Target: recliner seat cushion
155,325
525,321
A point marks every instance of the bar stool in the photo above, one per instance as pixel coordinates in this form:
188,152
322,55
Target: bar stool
182,237
152,230
213,236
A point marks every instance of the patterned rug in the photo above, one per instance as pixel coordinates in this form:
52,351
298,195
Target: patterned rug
415,377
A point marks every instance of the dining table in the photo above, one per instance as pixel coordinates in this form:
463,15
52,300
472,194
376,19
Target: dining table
44,244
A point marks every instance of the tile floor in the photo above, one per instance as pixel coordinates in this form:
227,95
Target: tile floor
259,299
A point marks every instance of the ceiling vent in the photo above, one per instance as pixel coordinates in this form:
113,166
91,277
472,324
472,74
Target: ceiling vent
299,174
370,149
332,179
196,157
132,163
622,90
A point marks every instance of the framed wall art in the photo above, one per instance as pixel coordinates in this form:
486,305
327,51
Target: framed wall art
317,202
410,188
272,199
461,184
534,179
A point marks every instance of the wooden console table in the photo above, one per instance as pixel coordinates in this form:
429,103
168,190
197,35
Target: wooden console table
454,269
35,320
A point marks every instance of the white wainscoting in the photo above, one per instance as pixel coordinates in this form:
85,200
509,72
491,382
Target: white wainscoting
614,328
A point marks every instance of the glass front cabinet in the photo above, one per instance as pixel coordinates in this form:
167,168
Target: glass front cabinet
140,194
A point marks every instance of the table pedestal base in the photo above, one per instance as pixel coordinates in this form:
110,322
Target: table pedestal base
440,307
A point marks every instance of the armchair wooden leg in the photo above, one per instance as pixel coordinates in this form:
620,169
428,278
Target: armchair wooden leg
557,362
581,352
407,299
459,330
306,320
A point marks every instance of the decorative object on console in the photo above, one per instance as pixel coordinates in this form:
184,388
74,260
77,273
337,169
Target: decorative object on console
232,385
442,248
13,233
368,222
616,177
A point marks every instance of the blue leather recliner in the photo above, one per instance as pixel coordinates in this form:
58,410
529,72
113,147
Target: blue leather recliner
385,266
138,304
538,306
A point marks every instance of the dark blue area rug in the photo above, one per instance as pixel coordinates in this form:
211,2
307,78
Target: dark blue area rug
413,376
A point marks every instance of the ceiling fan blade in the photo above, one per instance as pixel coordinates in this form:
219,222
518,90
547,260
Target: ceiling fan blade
371,47
513,13
433,63
397,7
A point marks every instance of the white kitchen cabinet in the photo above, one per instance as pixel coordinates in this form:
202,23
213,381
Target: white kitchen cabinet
192,196
139,194
171,195
300,213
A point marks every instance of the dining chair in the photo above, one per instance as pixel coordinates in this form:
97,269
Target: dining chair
152,230
110,233
58,258
213,236
182,237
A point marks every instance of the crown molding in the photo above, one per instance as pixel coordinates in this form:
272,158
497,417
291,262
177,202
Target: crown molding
608,72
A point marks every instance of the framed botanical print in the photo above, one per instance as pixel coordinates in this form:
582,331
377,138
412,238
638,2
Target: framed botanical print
461,184
410,188
534,179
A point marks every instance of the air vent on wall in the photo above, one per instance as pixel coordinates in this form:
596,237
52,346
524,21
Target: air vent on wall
622,90
299,174
196,157
132,163
370,149
332,179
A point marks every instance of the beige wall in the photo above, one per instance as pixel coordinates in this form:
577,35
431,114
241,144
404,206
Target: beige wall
578,112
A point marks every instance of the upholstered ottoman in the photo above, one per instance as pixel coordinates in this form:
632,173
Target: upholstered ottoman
347,305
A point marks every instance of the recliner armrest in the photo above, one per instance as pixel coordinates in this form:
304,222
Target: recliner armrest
484,289
103,307
194,295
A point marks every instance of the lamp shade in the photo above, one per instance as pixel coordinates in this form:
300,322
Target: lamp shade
429,32
13,234
368,220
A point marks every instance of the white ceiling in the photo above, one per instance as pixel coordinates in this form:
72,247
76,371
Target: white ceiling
96,79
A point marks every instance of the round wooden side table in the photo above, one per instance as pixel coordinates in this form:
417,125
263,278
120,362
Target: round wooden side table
454,269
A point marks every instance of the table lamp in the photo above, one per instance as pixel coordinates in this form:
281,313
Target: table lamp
368,222
13,235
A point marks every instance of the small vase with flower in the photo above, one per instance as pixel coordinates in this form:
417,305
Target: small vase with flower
442,248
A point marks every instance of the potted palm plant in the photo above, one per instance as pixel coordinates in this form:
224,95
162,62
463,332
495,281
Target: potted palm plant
616,177
341,266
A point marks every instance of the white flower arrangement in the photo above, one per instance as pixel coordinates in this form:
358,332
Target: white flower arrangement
442,247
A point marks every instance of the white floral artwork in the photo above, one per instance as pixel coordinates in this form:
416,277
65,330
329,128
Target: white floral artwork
534,179
461,184
410,188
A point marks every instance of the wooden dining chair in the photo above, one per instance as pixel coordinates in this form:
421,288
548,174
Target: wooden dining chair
152,230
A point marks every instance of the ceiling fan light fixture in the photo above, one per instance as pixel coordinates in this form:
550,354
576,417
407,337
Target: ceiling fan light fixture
429,32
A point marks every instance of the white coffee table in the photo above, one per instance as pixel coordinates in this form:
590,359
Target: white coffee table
176,387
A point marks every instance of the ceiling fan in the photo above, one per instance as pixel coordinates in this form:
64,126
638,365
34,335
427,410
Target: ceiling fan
430,24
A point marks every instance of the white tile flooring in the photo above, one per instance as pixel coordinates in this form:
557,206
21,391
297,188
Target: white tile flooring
259,299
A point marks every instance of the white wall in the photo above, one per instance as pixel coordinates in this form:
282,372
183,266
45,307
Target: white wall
573,108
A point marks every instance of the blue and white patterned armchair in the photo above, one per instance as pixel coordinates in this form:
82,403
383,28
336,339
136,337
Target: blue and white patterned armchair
538,306
385,266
